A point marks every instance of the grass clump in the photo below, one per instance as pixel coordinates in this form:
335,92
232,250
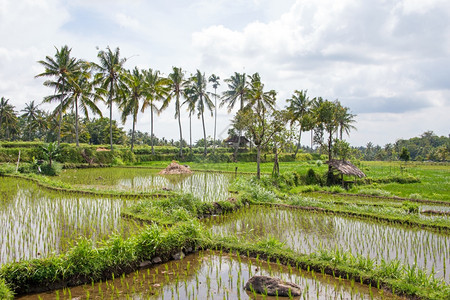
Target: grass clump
5,292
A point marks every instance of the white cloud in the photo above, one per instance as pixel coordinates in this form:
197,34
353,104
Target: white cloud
387,60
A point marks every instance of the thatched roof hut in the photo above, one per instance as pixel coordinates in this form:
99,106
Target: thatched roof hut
345,167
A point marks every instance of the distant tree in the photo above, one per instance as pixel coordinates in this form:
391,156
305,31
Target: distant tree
177,84
298,108
132,95
110,80
255,117
156,89
404,155
237,91
198,91
63,68
215,82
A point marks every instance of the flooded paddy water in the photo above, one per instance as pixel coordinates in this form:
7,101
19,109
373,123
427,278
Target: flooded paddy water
207,186
307,232
35,223
214,275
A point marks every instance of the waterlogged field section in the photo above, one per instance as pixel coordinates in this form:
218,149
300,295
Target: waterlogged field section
204,185
307,232
35,223
214,275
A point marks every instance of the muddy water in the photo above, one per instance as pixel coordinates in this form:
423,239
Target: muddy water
206,186
307,232
213,275
35,223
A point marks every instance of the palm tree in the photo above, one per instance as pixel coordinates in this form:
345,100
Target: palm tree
237,90
155,89
298,107
63,68
215,81
198,92
83,97
3,105
109,78
345,120
135,82
177,85
31,114
191,101
9,120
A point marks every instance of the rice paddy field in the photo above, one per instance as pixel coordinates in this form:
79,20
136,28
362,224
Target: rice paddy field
38,223
307,232
215,275
204,185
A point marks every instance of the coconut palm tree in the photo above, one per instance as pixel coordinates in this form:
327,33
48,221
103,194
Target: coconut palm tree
62,67
215,82
155,89
3,105
135,82
345,120
237,91
177,85
9,121
299,105
197,91
110,80
30,114
190,101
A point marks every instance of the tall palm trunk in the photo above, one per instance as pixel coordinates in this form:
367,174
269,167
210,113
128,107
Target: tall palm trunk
76,121
204,135
60,113
236,149
132,131
181,133
151,129
190,132
110,116
298,144
215,119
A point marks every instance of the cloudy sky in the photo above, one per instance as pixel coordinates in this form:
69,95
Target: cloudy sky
387,60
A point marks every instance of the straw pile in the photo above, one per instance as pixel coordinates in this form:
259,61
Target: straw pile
175,168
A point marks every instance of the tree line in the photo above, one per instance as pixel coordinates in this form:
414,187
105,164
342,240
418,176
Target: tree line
78,86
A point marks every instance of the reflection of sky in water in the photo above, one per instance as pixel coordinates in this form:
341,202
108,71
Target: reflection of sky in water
307,232
208,275
204,185
36,223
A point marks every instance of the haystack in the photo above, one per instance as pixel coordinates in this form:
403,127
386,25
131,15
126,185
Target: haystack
175,168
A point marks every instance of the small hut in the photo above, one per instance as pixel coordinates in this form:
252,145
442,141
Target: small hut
344,167
233,140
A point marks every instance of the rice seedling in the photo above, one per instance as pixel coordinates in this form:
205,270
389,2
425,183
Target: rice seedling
35,223
214,275
204,185
310,233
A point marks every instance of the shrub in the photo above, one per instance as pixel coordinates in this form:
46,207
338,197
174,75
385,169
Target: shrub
51,170
410,207
7,169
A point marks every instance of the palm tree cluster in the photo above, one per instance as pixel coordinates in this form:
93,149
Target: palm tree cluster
78,86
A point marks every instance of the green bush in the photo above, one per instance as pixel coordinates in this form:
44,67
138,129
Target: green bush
411,207
51,170
7,169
